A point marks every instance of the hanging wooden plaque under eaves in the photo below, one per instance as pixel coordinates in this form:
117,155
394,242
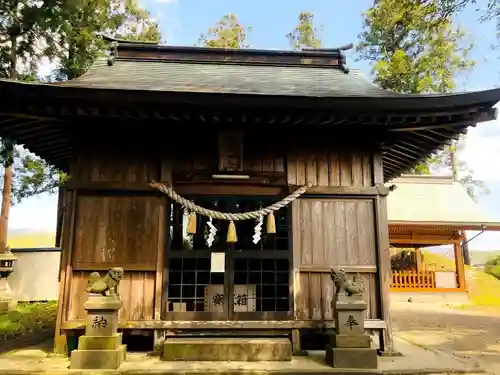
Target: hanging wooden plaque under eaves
230,151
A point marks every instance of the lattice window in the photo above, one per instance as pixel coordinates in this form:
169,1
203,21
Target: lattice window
257,273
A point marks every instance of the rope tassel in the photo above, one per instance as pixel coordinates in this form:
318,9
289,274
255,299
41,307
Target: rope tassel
271,224
231,233
191,229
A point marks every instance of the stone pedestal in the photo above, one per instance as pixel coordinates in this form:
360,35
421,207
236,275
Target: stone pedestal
226,349
101,347
7,302
348,346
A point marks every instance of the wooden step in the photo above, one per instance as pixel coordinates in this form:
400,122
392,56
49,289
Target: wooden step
227,349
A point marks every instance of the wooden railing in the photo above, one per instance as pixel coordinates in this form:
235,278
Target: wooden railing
413,280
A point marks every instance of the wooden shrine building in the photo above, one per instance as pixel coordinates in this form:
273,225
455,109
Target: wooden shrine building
425,212
233,131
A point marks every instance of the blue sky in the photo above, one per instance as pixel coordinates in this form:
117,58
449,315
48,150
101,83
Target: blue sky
182,22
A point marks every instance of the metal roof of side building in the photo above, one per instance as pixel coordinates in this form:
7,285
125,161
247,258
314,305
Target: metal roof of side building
427,201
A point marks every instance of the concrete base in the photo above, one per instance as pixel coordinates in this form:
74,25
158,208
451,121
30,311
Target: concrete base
99,352
100,342
351,358
227,349
416,360
98,359
350,341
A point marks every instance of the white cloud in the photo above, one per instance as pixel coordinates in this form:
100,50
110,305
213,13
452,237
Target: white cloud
482,150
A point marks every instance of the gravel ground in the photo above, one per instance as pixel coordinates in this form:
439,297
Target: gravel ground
470,335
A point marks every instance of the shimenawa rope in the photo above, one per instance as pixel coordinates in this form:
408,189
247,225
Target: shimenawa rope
223,215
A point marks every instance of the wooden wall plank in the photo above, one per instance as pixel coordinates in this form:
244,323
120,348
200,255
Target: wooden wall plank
304,302
106,166
315,296
136,292
125,232
334,168
323,169
330,168
327,291
335,232
327,231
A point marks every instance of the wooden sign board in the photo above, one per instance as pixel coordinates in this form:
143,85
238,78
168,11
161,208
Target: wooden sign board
217,262
180,307
243,298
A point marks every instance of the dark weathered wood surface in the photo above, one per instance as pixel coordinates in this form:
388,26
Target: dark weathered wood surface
221,325
120,221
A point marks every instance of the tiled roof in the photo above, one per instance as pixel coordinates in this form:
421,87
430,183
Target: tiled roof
228,79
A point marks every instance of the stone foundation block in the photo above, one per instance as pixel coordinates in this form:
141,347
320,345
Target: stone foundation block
227,349
98,359
350,322
349,341
101,323
352,358
100,342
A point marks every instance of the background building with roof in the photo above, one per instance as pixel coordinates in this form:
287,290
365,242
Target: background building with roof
431,212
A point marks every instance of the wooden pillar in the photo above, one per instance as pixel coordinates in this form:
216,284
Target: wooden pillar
161,292
65,271
384,272
160,298
465,249
6,204
460,266
418,256
298,313
60,212
61,209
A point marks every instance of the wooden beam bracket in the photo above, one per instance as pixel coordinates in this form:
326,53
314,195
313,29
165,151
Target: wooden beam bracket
260,324
356,191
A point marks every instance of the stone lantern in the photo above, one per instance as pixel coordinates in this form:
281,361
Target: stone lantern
7,260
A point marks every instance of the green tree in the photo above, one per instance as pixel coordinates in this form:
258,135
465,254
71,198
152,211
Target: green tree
228,32
26,29
26,36
82,20
492,266
491,12
414,47
304,35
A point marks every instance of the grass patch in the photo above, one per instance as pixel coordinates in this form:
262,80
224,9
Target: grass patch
484,290
27,321
484,293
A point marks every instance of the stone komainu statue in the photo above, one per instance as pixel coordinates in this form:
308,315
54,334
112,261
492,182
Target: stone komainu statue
108,285
342,284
